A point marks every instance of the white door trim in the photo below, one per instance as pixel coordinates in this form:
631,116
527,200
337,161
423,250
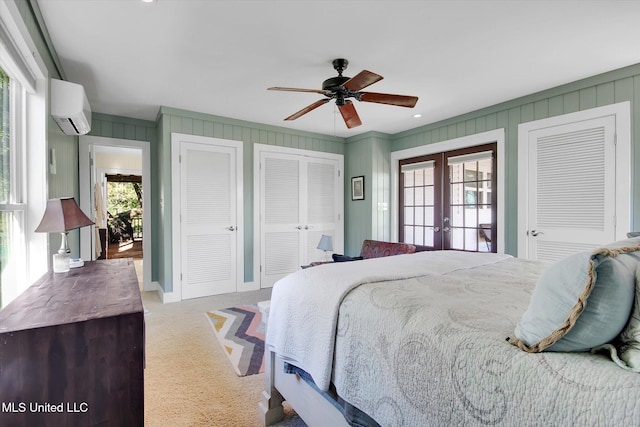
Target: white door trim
258,150
622,113
176,256
86,199
497,136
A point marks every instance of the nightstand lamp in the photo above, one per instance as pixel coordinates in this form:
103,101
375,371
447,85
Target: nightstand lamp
326,245
60,216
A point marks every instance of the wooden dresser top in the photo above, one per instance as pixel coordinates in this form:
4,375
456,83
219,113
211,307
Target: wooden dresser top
99,289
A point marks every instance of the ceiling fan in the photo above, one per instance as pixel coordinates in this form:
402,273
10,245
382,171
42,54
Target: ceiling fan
340,88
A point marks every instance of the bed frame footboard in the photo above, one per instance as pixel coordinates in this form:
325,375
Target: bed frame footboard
270,407
310,405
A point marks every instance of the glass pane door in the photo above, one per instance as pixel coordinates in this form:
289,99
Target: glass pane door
447,200
469,208
420,201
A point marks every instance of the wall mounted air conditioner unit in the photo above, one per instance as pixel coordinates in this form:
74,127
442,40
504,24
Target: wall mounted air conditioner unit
70,107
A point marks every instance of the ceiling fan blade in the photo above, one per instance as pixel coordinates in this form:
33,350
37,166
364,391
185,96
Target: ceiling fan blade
294,89
349,114
308,108
387,98
361,80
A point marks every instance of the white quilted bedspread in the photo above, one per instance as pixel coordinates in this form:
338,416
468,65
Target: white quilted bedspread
431,351
421,342
304,305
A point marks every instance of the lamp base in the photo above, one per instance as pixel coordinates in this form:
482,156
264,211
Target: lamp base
76,262
60,263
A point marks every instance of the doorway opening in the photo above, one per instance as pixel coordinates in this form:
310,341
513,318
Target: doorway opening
130,159
124,216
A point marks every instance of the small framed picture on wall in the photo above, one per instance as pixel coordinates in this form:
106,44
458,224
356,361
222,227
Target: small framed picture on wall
357,188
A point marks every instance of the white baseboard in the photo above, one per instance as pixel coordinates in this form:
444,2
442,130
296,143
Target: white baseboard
167,297
150,286
247,286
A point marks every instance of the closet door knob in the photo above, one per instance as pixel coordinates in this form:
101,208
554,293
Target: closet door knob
232,228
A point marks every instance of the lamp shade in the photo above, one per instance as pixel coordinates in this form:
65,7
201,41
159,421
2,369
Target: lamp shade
326,243
62,215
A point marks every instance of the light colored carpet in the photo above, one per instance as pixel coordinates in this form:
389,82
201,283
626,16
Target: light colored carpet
188,380
138,265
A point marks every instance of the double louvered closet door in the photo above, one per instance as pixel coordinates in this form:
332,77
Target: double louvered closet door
300,201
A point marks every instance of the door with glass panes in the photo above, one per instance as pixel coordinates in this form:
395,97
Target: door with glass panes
448,200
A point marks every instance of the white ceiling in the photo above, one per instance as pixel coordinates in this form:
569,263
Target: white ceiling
219,56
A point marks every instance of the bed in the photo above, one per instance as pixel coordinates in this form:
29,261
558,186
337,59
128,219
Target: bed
421,339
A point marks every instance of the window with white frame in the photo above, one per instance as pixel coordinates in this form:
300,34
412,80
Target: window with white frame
12,208
23,156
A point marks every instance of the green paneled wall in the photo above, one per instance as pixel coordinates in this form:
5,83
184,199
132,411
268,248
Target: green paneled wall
357,213
64,182
369,155
32,18
380,188
608,88
172,120
123,128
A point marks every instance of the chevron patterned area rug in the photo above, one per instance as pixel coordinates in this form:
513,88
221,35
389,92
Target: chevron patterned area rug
240,332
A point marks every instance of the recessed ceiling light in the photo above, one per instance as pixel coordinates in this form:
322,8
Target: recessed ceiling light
417,115
148,1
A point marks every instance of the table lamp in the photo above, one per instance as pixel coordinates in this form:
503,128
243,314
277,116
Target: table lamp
60,216
325,244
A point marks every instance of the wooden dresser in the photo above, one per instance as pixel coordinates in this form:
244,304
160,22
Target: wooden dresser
72,349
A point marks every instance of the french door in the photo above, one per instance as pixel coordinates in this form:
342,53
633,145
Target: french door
448,200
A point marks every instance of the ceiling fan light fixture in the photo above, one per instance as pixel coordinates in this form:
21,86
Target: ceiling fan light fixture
341,88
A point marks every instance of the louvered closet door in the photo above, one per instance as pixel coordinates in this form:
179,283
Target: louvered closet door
571,188
281,214
209,221
300,201
321,206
